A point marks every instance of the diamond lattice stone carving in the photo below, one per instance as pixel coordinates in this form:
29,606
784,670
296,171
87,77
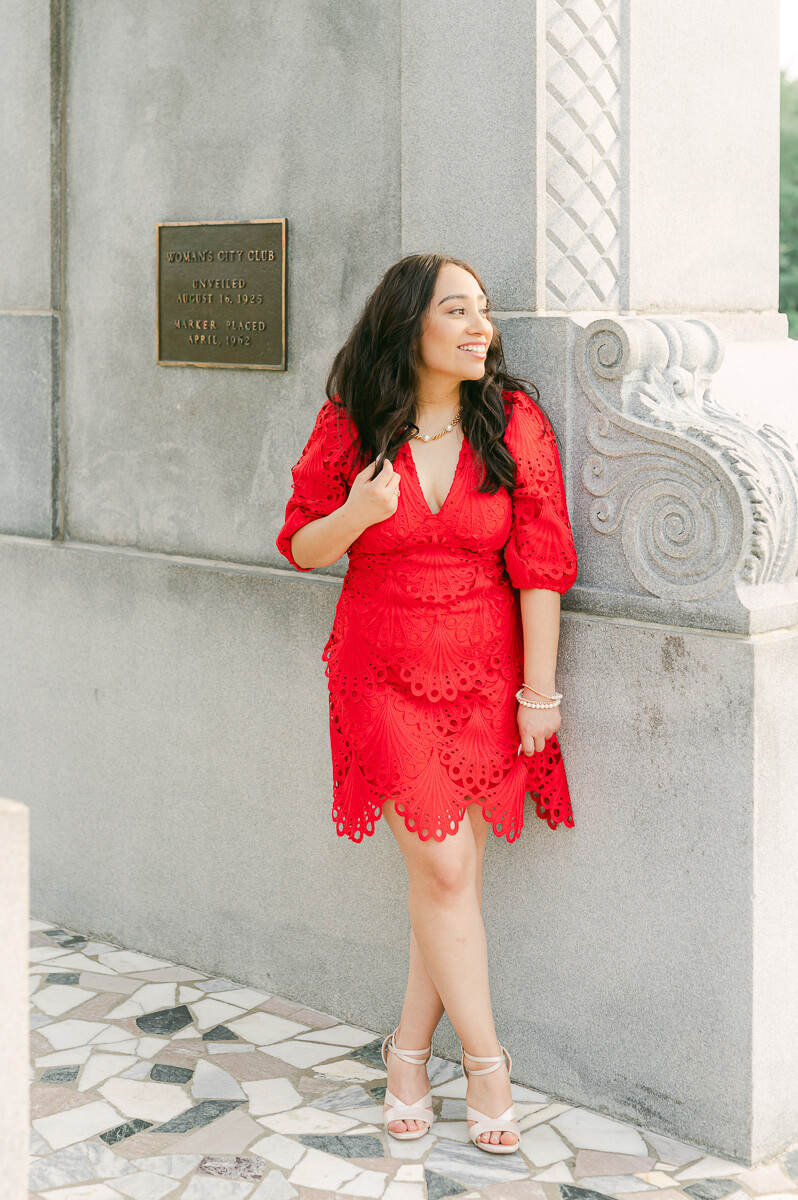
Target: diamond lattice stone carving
583,154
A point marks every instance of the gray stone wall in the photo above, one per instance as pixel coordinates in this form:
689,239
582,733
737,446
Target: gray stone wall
208,111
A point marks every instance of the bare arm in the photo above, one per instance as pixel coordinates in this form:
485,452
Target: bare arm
540,617
322,542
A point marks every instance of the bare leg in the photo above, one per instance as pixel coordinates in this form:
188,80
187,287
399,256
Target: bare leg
444,901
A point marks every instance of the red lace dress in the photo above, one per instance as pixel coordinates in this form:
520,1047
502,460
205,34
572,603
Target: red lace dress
426,649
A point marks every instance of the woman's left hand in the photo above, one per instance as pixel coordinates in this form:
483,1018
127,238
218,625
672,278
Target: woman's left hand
535,726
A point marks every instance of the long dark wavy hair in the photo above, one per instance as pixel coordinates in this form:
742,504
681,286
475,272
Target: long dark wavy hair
374,374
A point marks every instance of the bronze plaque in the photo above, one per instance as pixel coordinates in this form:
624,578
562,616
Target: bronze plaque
221,293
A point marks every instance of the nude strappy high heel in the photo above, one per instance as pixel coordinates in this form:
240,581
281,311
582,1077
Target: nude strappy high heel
505,1123
421,1110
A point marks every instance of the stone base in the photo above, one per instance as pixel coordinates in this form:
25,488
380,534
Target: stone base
168,729
14,917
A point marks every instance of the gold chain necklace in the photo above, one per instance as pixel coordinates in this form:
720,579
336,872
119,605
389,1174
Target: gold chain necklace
433,437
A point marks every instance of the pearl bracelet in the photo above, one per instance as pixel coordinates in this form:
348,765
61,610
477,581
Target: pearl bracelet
519,695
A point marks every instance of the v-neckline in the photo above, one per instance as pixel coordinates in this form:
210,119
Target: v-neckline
424,500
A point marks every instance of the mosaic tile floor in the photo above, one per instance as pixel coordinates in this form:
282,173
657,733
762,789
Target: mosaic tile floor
151,1080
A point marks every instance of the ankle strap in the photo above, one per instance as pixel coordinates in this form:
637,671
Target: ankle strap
495,1059
416,1057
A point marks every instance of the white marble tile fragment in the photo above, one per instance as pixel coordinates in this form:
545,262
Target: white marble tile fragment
305,1054
150,997
210,1012
125,961
341,1035
186,992
70,1165
151,1045
37,954
350,1070
616,1184
140,1070
317,1169
64,1058
710,1168
73,1032
190,1031
367,1183
274,1186
455,1131
558,1173
83,1191
767,1179
99,947
110,1035
147,1099
77,1124
229,1047
410,1173
81,962
307,1120
210,1082
272,1096
542,1114
243,997
360,1113
398,1189
129,1046
144,1185
210,1187
672,1153
454,1088
38,1145
413,1149
60,997
278,1149
106,1162
176,1166
101,1066
542,1146
264,1028
658,1178
591,1131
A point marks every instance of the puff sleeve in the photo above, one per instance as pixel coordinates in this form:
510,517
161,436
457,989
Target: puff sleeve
320,477
540,551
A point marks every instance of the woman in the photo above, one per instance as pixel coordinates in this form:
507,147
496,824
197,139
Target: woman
439,476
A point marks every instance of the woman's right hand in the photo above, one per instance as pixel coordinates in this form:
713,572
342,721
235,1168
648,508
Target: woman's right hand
373,500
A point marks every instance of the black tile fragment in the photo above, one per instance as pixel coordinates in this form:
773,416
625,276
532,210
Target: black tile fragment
165,1020
439,1185
60,1074
710,1189
356,1145
201,1114
71,979
120,1132
220,1033
378,1092
165,1073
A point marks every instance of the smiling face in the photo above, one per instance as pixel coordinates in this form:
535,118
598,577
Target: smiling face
456,332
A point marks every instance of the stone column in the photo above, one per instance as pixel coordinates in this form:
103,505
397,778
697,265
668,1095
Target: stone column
14,1111
611,169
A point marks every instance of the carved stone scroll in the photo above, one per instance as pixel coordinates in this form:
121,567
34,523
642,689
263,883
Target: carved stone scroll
699,499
